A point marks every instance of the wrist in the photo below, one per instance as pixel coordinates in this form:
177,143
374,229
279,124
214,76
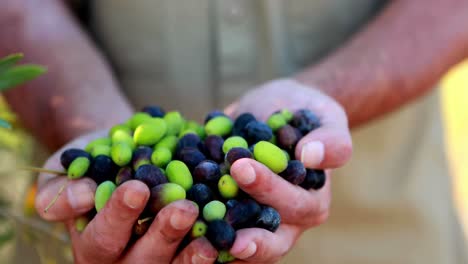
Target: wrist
292,82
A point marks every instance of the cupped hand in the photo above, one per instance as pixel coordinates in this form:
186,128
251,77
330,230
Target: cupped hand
326,147
106,237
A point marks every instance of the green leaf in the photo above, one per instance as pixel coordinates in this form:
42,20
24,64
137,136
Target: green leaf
4,124
19,75
8,61
6,236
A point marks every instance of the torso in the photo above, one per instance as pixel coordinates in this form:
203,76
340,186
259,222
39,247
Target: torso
198,55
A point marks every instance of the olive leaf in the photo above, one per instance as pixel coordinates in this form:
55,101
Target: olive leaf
6,236
9,61
12,75
18,75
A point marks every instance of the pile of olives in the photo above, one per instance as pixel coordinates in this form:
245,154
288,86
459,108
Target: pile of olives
182,159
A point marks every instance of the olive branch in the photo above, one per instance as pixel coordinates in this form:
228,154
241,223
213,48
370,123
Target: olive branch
13,75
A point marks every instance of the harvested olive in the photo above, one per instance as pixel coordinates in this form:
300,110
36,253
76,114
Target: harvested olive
154,111
294,173
214,148
276,121
164,194
138,119
228,187
150,175
315,179
191,157
123,175
177,172
189,140
305,121
240,123
71,154
78,167
220,126
103,194
269,219
169,142
234,142
243,214
271,156
198,229
287,137
161,157
201,194
214,210
207,172
121,154
102,169
150,133
257,131
220,234
174,121
141,156
213,114
105,141
235,154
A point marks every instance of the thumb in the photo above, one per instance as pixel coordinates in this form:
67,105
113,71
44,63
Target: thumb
326,147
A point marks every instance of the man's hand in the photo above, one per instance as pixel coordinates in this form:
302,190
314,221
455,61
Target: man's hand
326,147
105,239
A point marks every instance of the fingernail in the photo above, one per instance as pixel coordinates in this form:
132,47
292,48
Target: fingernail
248,252
135,196
312,154
181,220
247,175
80,195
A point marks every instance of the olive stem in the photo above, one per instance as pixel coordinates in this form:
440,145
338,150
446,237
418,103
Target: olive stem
141,221
56,197
35,169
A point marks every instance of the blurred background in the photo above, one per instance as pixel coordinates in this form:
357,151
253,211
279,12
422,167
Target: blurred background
22,234
455,98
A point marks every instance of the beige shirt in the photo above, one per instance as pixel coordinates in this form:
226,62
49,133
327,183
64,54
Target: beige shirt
392,202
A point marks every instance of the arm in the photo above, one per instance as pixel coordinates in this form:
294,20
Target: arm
398,57
79,93
395,59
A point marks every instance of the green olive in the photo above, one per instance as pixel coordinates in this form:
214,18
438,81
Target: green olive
78,167
271,156
161,157
220,126
228,187
121,153
150,133
234,142
214,210
103,194
177,172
